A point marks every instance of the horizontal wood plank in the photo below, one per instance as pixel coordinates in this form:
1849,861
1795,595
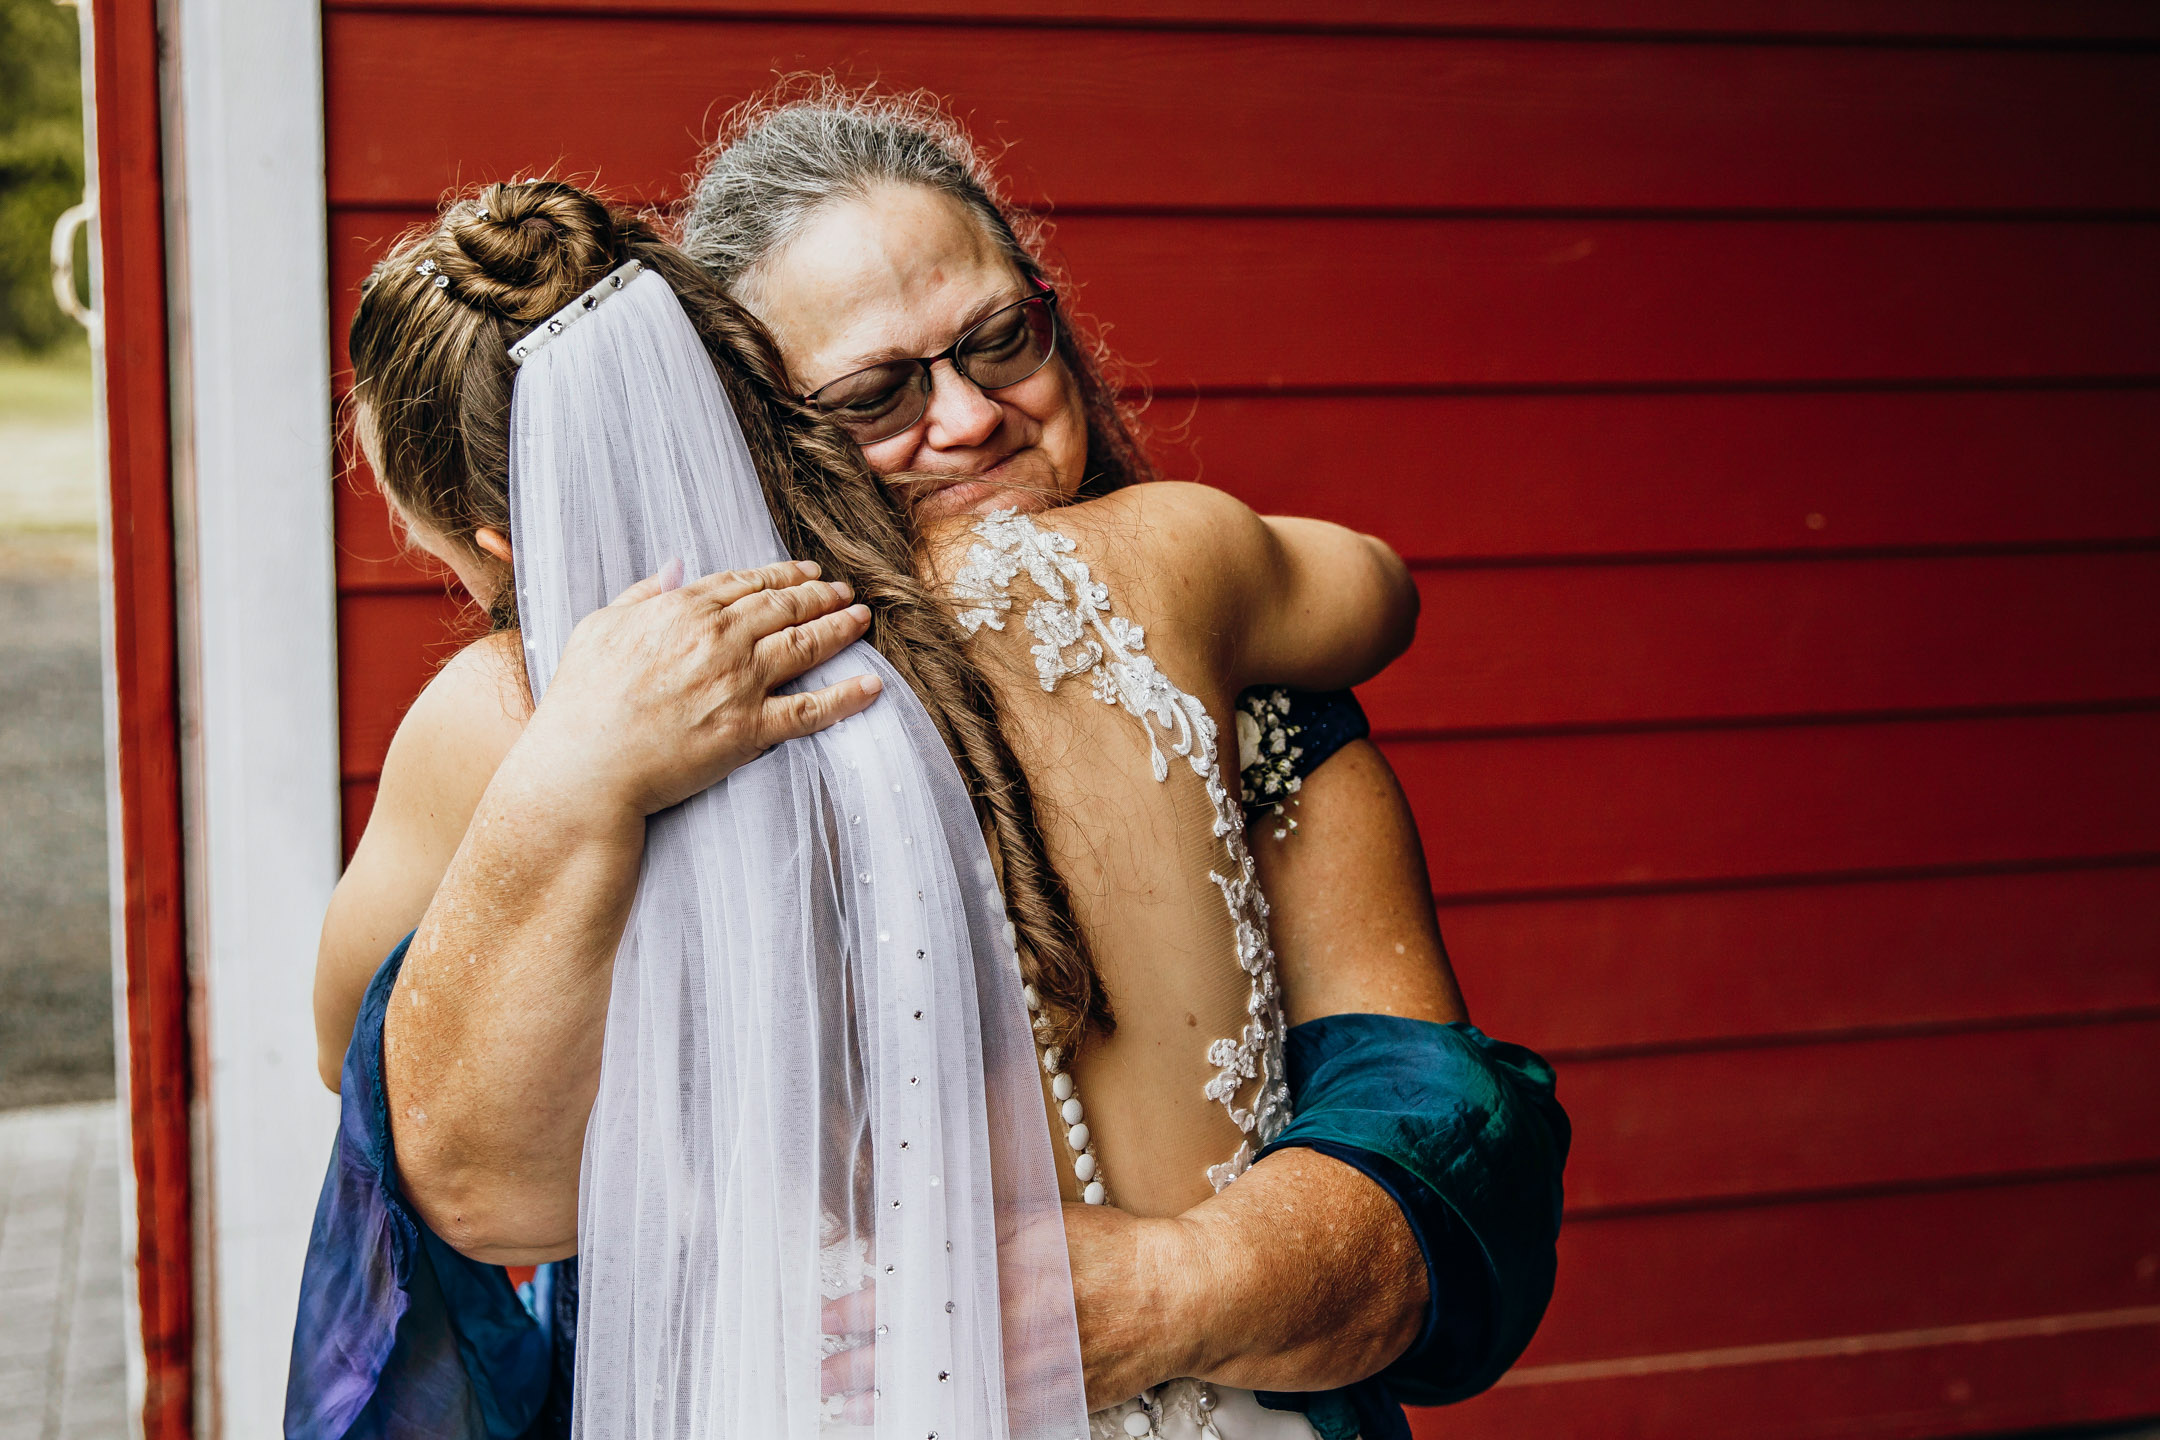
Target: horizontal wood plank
1676,1281
1573,812
1244,118
1461,479
2049,1372
1213,304
1266,305
1569,977
1576,813
1923,1109
1475,477
1632,644
1611,645
2064,20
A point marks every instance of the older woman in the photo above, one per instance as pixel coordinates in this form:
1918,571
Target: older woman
1402,1224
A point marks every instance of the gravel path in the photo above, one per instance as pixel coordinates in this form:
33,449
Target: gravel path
55,946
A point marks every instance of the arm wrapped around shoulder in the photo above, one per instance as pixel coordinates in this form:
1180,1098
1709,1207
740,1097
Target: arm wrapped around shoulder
1467,1133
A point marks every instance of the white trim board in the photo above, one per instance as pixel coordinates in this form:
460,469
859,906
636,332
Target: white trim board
248,255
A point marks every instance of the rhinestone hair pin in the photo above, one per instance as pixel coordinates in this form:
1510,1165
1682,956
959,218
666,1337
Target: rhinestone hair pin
575,311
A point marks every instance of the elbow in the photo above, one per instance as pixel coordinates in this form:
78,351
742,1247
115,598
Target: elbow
332,1039
488,1218
1400,598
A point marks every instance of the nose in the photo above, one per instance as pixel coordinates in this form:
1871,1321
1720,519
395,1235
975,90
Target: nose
960,415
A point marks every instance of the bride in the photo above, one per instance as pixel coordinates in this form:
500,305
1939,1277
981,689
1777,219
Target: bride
1072,674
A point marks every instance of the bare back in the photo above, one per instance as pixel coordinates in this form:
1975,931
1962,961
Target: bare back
1115,696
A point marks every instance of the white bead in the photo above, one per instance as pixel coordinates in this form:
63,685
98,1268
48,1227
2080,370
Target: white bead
1062,1087
1077,1137
1137,1423
1033,997
1071,1111
1093,1195
1012,936
1084,1168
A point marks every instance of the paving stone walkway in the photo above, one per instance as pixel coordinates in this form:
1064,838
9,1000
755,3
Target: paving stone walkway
63,1373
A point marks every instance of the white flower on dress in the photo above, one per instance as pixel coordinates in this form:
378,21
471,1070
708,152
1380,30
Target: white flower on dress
1248,741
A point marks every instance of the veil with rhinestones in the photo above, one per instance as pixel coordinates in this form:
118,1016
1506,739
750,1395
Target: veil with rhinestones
817,1076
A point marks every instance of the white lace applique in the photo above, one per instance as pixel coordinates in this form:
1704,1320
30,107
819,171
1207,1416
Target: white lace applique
1077,634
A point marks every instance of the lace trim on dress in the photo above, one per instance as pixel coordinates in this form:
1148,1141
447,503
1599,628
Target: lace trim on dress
1077,633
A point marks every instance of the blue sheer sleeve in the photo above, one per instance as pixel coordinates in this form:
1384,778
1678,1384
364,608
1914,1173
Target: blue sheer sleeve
399,1336
1467,1135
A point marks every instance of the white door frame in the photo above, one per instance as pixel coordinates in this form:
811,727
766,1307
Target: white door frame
247,237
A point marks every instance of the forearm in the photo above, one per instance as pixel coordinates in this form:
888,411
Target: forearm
492,1041
1302,1275
1331,1292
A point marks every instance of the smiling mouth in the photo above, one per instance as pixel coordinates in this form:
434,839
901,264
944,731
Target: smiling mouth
958,495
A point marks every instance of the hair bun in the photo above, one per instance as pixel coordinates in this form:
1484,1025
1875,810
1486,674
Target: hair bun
528,248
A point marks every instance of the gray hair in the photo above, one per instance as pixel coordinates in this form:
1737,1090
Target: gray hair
783,157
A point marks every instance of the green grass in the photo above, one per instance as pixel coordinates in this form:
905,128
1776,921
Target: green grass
51,386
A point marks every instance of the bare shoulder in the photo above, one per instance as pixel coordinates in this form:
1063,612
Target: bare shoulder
1163,543
454,737
446,750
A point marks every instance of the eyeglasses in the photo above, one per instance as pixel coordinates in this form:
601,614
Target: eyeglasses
1003,348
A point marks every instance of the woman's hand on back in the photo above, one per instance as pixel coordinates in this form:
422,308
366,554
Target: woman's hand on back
666,691
659,695
492,1041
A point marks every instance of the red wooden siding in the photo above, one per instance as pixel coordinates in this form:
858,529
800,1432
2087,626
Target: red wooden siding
1769,396
145,719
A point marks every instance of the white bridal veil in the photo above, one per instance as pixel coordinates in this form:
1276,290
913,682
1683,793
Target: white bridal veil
818,1077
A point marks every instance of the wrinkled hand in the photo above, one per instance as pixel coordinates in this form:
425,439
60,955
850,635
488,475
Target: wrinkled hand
664,692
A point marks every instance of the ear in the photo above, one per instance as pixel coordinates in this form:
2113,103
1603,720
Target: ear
492,542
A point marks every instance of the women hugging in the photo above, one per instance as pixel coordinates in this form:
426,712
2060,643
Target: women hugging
899,927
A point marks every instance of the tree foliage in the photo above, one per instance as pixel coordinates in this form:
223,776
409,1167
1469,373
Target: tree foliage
41,162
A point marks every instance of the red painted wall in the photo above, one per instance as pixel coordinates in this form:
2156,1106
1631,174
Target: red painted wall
145,735
1766,393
